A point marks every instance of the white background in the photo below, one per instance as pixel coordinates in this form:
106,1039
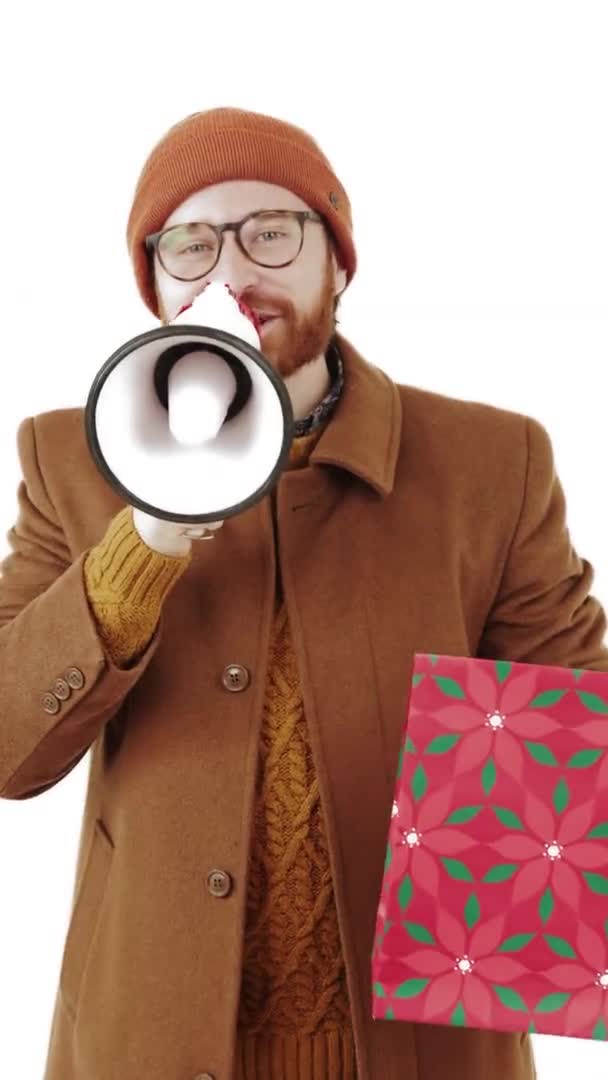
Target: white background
471,138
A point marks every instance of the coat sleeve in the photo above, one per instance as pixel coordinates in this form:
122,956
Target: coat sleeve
48,632
543,612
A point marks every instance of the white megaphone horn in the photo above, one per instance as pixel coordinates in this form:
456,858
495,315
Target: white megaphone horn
189,422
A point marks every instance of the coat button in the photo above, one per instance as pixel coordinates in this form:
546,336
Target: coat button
235,677
219,883
61,689
75,678
50,703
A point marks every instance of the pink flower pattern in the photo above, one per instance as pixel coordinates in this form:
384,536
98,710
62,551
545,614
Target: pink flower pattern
590,980
460,970
552,802
422,836
596,732
552,852
496,721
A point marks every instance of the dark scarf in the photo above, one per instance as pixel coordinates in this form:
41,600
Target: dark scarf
321,411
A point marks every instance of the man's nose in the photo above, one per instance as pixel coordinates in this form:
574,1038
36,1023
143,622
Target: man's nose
233,268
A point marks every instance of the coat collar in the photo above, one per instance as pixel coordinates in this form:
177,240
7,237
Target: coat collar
363,434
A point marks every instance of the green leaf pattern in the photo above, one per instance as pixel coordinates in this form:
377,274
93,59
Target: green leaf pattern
423,934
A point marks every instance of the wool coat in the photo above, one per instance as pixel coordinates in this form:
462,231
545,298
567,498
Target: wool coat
422,522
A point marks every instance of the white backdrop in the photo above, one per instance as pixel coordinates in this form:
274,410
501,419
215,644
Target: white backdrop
471,138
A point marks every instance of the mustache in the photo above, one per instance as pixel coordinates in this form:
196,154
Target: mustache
265,304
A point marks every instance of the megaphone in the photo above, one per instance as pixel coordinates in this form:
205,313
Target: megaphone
190,422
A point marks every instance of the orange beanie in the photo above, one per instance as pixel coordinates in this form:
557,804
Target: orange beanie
232,144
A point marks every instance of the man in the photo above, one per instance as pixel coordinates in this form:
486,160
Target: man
245,702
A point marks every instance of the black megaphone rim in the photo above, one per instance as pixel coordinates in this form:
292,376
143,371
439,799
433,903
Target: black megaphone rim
223,338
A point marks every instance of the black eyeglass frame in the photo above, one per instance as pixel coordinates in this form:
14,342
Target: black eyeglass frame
301,216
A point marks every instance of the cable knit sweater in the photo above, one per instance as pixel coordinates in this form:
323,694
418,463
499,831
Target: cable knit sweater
294,1016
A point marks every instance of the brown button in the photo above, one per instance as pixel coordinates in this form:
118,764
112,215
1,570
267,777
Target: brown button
235,677
50,703
75,678
61,689
219,883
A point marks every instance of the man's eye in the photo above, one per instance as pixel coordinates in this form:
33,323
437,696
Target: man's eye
194,248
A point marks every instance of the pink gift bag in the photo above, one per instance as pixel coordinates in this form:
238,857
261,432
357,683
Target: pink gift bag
493,911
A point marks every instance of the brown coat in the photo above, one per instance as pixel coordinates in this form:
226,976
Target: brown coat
422,523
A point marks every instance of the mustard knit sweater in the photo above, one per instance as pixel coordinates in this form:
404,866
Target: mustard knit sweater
294,1016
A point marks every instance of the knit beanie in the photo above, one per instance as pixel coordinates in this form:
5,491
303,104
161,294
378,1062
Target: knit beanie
233,144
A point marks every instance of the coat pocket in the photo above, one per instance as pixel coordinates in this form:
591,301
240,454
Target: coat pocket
85,914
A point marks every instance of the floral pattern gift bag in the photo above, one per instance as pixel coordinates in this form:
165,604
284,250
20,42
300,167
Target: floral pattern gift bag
493,911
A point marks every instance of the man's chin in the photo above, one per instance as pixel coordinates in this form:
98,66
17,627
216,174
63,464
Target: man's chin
268,338
282,352
273,349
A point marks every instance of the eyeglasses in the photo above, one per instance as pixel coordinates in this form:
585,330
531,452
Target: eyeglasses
270,238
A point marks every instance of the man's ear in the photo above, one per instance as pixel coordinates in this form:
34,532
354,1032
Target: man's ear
159,303
153,278
340,276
